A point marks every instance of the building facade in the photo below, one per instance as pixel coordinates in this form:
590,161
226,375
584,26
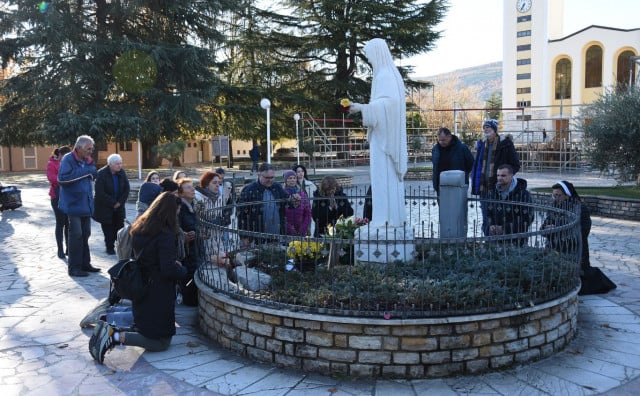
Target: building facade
549,74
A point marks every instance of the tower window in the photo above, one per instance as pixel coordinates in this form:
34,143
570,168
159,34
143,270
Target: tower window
524,18
524,90
526,61
524,47
524,33
524,76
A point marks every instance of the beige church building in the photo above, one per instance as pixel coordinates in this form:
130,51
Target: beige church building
548,74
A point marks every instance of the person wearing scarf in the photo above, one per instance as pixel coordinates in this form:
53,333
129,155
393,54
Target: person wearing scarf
490,154
509,218
298,209
566,197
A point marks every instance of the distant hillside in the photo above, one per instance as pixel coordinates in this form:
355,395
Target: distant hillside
488,78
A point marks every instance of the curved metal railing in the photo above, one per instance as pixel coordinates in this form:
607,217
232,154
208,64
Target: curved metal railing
442,277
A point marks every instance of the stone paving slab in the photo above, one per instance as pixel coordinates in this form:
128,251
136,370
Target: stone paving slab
44,351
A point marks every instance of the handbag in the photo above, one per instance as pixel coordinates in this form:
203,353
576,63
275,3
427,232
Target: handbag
128,278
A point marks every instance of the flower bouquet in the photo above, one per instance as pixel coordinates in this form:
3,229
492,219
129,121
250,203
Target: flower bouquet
304,250
345,228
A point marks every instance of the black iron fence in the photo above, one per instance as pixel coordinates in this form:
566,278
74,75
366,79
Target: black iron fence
441,277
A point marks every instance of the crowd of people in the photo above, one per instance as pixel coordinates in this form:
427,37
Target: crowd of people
170,244
165,235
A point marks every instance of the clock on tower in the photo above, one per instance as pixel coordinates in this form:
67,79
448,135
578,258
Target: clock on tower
523,5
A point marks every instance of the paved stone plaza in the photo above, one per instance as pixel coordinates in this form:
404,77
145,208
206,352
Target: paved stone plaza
44,351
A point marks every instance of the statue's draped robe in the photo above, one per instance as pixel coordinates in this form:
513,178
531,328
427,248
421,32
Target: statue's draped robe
385,120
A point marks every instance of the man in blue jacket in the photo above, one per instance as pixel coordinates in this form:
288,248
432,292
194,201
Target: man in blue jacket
76,175
449,154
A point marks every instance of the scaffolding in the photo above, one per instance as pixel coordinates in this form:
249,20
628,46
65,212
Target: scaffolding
334,142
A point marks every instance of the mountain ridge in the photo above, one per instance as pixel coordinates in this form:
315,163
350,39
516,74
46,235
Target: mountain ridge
487,77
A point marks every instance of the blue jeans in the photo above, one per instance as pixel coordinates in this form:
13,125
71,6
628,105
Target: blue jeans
79,233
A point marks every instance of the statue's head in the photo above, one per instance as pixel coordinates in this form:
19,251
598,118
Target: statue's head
377,52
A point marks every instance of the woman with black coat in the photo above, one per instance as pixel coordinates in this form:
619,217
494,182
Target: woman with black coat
566,197
328,205
112,192
188,222
154,241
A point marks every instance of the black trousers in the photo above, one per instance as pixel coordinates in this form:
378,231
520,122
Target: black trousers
79,233
62,226
110,230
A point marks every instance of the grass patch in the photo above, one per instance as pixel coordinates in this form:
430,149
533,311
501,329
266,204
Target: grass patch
420,169
632,192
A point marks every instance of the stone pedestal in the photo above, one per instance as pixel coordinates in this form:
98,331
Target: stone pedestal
384,244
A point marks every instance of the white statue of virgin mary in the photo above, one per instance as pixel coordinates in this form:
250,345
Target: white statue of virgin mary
387,237
385,119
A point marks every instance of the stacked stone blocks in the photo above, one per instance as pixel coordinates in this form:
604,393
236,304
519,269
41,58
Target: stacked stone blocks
396,348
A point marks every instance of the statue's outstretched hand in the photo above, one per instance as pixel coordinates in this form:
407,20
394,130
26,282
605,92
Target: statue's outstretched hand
355,108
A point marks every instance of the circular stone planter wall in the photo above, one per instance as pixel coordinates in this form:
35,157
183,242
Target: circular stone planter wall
395,348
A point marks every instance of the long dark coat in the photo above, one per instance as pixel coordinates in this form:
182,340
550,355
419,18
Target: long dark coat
324,216
154,315
104,196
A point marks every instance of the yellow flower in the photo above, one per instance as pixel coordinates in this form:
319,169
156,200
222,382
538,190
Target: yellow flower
304,249
345,102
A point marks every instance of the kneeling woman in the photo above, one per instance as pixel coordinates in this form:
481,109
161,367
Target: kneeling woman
154,240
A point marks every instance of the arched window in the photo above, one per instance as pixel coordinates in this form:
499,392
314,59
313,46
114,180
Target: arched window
563,79
593,67
625,73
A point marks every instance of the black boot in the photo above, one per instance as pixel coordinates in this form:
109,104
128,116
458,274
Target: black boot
61,253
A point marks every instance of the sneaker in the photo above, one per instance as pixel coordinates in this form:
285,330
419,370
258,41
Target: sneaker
94,315
101,341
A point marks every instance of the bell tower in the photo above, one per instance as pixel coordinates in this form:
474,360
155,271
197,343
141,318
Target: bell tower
528,26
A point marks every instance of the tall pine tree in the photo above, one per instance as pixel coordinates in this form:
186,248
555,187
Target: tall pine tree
114,69
307,55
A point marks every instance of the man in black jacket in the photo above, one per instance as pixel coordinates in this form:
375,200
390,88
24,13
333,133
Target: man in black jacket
449,154
509,218
266,215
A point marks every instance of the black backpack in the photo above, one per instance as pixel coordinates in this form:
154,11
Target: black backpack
128,279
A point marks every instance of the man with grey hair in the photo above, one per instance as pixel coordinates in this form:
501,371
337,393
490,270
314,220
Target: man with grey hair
76,175
266,215
112,192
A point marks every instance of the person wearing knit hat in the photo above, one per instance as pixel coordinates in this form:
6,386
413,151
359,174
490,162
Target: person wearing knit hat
298,209
491,152
493,124
287,174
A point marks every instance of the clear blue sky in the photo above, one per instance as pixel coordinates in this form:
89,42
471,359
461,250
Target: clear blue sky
472,31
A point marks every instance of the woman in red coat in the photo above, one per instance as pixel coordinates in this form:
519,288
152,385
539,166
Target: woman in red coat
62,222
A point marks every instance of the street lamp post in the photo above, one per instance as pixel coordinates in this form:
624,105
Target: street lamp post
296,118
266,104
